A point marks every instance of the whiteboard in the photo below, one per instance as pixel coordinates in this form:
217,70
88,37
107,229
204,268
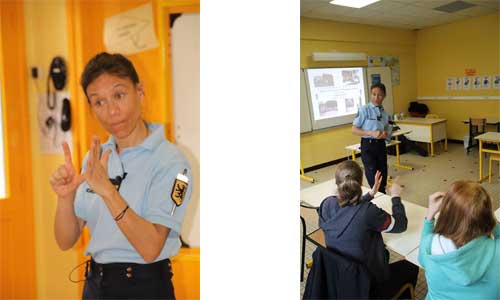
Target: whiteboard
383,74
334,95
305,117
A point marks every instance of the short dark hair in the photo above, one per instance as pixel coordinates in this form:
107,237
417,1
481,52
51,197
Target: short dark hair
114,64
379,85
348,178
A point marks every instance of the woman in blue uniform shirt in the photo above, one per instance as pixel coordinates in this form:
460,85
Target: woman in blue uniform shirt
372,124
127,192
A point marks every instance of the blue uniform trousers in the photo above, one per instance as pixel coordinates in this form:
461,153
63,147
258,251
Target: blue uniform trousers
374,157
128,281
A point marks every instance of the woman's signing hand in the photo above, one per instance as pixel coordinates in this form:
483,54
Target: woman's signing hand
97,170
65,180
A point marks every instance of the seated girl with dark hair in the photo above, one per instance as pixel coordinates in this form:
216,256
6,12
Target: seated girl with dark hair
461,253
353,226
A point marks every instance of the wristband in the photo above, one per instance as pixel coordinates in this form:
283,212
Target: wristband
120,215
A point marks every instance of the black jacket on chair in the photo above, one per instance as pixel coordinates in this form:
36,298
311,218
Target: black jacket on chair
334,276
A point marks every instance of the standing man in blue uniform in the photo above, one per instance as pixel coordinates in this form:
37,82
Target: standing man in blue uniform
372,124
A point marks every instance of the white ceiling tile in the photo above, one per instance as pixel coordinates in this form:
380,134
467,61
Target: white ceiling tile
395,13
495,4
308,7
475,11
429,3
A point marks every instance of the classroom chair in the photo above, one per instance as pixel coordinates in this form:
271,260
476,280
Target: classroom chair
476,127
312,237
336,276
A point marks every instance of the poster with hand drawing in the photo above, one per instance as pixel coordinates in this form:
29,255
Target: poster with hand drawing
54,122
486,82
476,83
496,81
466,82
450,83
131,32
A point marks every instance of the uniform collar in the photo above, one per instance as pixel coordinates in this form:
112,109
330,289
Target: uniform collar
381,107
152,141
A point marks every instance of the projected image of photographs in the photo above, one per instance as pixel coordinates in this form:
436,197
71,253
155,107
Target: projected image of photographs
328,108
350,105
324,80
350,77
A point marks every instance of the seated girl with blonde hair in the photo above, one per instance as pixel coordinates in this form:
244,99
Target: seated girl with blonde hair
461,252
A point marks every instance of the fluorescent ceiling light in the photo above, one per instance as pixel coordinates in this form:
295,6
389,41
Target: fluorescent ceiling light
353,3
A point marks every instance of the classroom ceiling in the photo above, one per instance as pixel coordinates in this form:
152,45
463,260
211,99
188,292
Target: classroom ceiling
408,14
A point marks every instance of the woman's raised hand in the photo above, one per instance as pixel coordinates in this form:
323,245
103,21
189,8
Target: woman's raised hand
65,180
376,185
97,169
435,201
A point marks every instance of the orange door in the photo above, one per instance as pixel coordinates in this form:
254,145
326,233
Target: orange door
17,250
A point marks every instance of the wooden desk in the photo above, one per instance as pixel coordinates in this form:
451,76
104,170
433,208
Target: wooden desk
489,137
493,121
425,130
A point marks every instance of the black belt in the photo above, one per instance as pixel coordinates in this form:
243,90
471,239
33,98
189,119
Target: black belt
371,141
127,271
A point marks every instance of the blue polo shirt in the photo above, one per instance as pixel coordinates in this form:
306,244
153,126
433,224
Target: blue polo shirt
151,168
371,117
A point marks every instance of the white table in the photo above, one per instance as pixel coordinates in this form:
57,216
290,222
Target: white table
405,242
489,137
413,257
425,130
313,195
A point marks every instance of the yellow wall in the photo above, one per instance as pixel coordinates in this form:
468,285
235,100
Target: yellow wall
324,36
17,239
46,37
446,51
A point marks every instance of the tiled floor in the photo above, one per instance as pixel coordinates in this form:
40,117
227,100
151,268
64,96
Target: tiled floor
431,174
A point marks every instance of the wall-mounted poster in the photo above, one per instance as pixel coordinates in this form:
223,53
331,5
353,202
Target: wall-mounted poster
387,61
466,82
486,82
496,82
458,83
375,78
476,83
450,83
